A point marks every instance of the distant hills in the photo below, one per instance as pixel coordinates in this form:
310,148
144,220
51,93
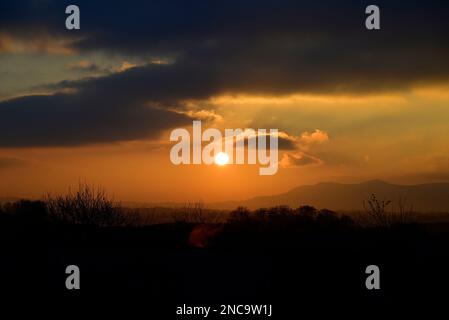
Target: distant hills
429,197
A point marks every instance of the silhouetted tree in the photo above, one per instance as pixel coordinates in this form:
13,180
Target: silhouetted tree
241,214
376,211
87,205
195,212
27,211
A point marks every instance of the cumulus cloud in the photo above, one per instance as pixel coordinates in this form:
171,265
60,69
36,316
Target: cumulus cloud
285,141
317,136
304,141
125,66
295,151
301,148
298,159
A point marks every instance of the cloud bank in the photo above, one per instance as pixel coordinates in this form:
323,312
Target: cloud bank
215,48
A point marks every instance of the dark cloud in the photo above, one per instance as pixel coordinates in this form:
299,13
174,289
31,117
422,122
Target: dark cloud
261,46
218,47
99,111
284,143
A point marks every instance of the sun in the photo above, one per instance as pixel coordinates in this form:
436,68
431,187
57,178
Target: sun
221,158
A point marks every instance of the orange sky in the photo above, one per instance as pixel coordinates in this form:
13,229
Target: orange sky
402,142
98,104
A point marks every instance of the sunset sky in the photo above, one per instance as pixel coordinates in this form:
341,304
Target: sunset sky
98,104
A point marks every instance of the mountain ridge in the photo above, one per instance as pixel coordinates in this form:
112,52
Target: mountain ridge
425,197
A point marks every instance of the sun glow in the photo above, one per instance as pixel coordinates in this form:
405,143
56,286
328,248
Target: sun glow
221,159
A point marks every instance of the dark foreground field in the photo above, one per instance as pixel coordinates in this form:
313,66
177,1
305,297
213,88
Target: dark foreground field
296,260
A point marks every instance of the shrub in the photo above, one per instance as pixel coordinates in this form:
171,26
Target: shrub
195,212
88,205
241,214
376,211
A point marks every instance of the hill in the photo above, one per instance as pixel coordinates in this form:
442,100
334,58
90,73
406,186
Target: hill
429,197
